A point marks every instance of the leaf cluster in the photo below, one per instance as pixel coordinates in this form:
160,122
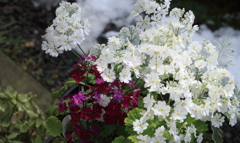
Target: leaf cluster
21,119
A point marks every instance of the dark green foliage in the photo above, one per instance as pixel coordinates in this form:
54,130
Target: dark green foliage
21,119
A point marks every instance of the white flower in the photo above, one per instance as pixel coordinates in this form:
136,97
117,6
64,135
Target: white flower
152,80
159,131
104,100
101,66
161,109
187,138
139,125
159,139
125,75
148,101
108,75
143,23
179,114
65,26
106,55
196,111
200,138
144,139
217,120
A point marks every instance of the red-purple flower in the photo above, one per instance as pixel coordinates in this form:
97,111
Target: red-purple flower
99,80
117,95
79,98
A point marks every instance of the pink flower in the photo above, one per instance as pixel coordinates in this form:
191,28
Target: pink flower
79,98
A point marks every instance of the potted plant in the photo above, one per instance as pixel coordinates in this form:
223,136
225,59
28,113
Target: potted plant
152,83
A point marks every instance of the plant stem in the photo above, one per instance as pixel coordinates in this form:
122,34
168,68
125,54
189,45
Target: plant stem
33,129
81,49
76,54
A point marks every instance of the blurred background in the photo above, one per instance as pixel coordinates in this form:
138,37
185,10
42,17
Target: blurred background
25,67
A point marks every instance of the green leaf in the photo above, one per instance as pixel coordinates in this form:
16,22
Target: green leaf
201,126
167,135
107,130
121,131
16,142
217,135
189,119
12,135
31,113
23,128
70,81
59,140
52,111
38,122
121,139
58,94
5,120
54,126
140,102
207,136
38,139
132,116
133,138
2,107
151,128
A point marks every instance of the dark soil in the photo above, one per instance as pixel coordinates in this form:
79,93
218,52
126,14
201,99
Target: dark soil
24,47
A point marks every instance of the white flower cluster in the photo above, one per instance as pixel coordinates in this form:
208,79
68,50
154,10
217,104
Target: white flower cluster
67,31
171,64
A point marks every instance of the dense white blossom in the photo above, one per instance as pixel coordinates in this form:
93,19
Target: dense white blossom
67,31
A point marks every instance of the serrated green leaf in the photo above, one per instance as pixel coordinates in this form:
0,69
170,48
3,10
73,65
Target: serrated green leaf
54,126
132,116
129,130
12,135
150,128
133,138
121,139
52,111
217,135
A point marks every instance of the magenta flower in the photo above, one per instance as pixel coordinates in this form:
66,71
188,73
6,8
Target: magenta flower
117,95
99,80
79,98
97,96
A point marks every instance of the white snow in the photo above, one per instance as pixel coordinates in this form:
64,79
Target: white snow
101,12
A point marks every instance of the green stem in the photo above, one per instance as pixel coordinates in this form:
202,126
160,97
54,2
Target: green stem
81,49
76,54
33,129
